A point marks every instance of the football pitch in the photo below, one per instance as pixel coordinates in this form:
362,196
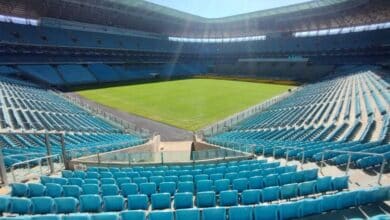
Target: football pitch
189,104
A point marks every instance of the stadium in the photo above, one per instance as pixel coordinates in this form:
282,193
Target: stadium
138,109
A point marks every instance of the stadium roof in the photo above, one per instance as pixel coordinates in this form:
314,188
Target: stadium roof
150,17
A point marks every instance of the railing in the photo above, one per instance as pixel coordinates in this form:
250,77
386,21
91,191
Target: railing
84,151
37,167
350,153
160,158
113,119
229,122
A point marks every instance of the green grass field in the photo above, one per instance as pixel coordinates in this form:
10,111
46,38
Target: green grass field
189,104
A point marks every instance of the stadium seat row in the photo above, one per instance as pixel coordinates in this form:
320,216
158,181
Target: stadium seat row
285,210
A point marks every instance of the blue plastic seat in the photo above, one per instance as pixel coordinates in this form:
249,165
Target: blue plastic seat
324,184
174,179
289,210
231,176
147,188
214,214
19,189
41,217
133,215
20,206
105,216
168,187
78,216
107,181
90,203
113,203
187,214
266,212
250,197
185,187
289,191
91,181
157,180
201,177
140,180
221,185
90,189
53,190
186,178
311,207
161,201
119,174
340,183
270,194
161,215
329,202
240,213
311,174
122,180
106,175
76,181
271,180
139,201
204,185
307,188
114,169
42,205
205,199
133,175
72,191
347,199
216,176
240,184
59,180
110,190
45,179
228,198
67,174
129,189
92,175
36,189
66,205
373,195
256,182
183,201
287,178
79,174
4,204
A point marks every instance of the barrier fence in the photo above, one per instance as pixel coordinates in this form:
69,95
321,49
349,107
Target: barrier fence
229,122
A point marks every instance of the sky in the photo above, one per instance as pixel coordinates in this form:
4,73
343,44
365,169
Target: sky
223,8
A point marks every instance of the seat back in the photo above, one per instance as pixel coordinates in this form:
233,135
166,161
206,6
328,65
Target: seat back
109,190
240,213
42,205
90,203
148,188
133,214
36,189
183,201
129,189
65,205
138,201
187,214
53,190
228,198
90,189
205,199
214,214
161,215
113,203
161,201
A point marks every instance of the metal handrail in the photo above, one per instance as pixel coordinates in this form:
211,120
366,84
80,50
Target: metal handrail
350,153
40,159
